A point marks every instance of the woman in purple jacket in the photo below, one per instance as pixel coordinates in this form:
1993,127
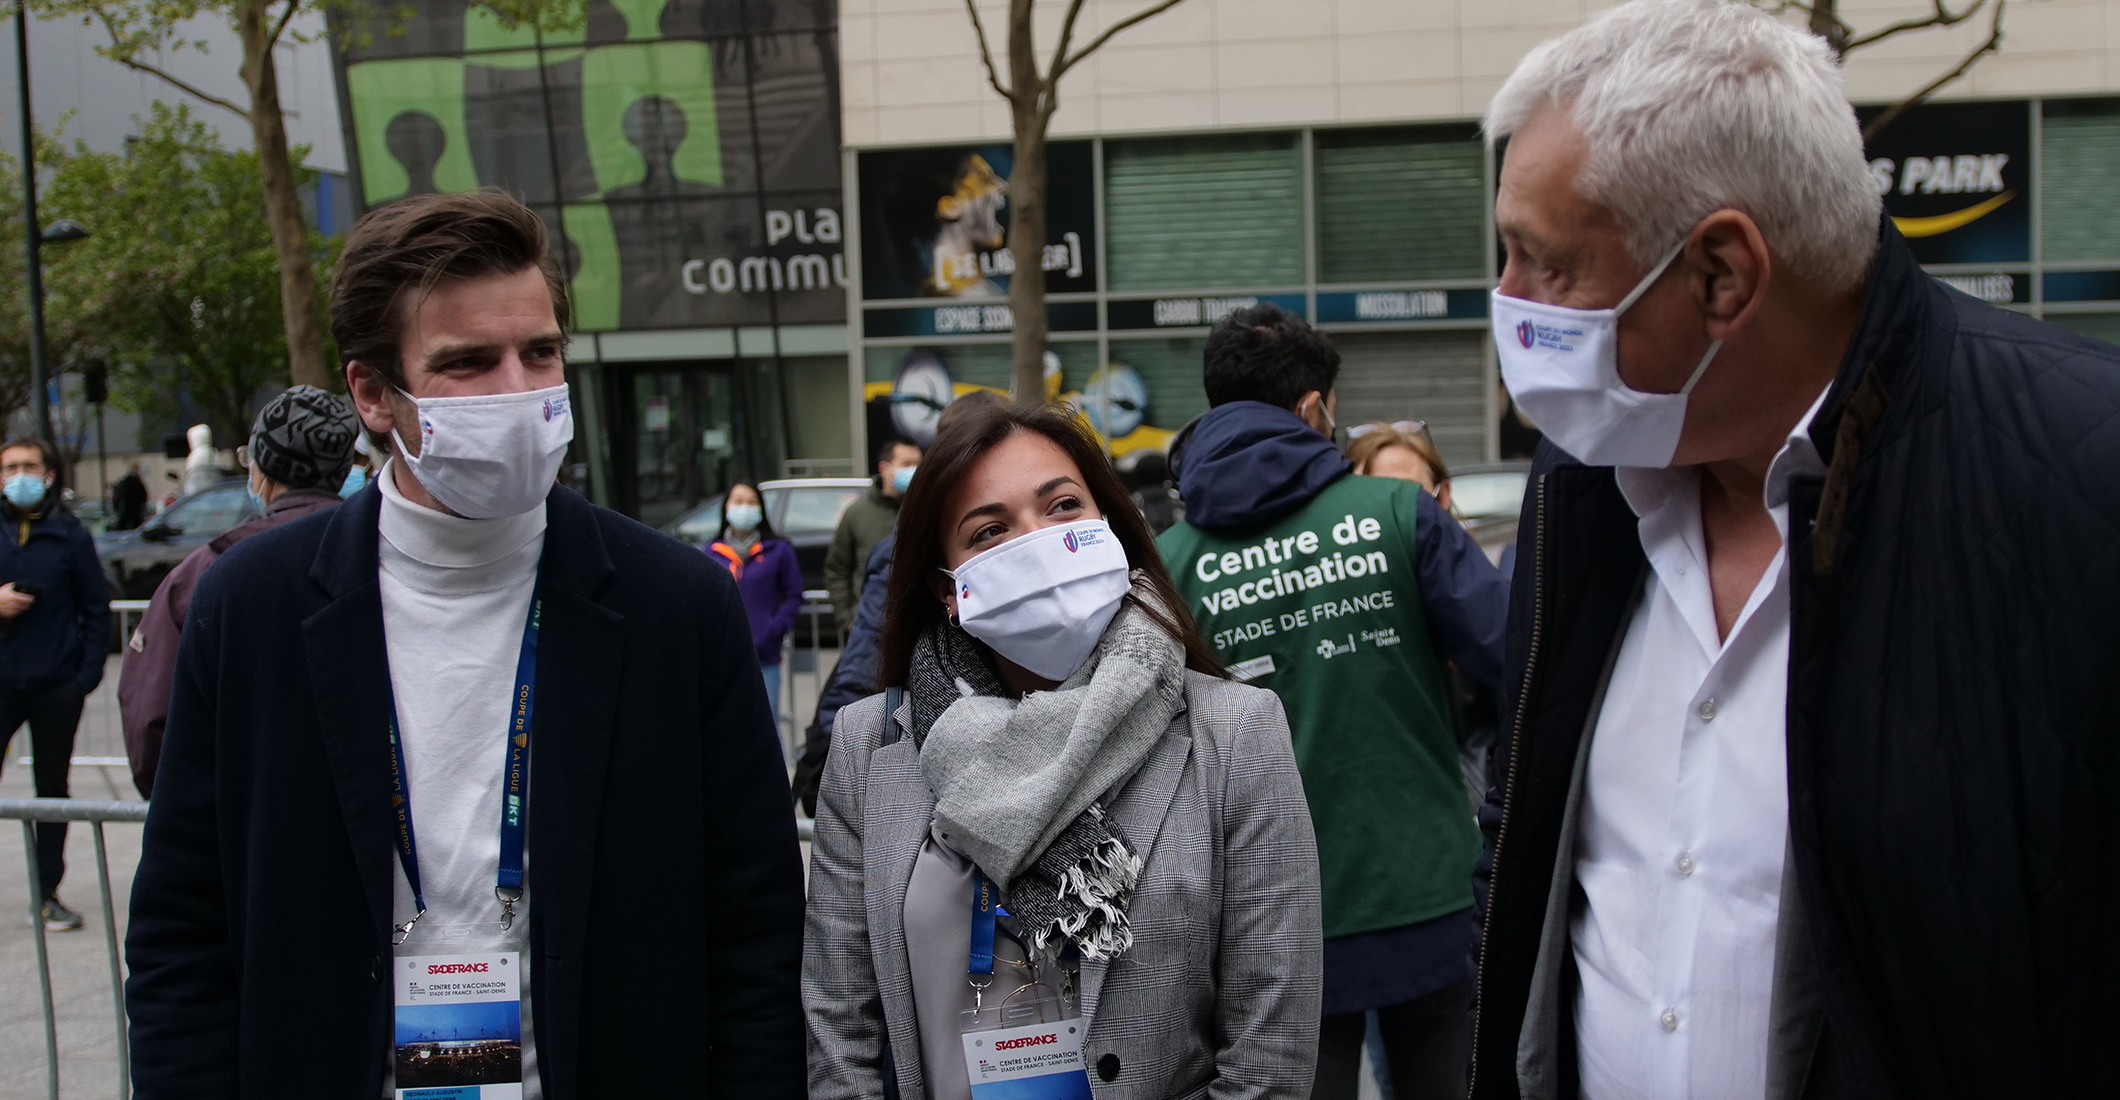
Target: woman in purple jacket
766,574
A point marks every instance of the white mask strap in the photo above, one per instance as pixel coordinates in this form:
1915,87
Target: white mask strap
1648,281
1713,347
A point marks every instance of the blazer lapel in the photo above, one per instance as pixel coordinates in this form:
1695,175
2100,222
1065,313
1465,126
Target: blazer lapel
898,813
580,661
350,678
1138,814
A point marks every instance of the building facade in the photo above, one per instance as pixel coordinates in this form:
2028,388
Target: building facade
1326,156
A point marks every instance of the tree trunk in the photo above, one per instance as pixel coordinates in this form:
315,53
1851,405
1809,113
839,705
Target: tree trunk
1026,245
283,202
1825,23
1026,201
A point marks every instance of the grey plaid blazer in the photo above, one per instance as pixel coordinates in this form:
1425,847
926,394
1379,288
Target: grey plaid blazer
1218,997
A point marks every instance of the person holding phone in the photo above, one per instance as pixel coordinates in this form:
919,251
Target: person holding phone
54,623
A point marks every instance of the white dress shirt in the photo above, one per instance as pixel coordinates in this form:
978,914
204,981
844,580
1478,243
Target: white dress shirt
1684,815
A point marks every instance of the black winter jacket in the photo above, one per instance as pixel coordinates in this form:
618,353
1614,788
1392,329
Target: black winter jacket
1953,738
63,636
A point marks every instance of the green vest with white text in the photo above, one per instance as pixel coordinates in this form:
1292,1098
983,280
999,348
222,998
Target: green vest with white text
1323,607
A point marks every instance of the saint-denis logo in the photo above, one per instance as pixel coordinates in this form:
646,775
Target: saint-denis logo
1524,333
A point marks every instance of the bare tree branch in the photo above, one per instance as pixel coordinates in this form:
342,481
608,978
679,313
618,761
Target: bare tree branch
1993,43
130,62
285,16
986,55
1061,66
1941,17
1067,34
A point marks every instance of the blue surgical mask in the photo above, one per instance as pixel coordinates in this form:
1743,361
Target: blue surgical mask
25,490
257,499
356,480
902,477
745,517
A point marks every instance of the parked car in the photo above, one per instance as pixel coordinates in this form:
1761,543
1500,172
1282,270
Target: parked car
1489,497
134,562
804,511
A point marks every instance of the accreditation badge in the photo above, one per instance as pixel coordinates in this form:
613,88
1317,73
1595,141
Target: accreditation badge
459,1027
1018,1060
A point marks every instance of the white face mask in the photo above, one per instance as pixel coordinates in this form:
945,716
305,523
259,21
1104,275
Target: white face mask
1562,367
1044,599
492,455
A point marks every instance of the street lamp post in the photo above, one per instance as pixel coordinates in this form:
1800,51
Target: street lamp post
32,240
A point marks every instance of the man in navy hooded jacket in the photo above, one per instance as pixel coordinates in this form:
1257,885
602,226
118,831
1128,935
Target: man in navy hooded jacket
1345,595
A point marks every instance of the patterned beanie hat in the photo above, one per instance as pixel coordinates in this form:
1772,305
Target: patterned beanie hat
303,438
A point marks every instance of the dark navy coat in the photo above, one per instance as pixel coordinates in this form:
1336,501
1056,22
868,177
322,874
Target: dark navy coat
63,636
667,919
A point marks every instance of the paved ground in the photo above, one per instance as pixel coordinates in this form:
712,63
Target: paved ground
80,964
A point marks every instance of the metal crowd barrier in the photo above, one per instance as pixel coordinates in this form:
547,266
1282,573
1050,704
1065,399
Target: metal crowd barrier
29,811
816,604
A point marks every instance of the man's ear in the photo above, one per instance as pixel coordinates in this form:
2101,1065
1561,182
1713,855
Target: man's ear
1728,270
370,394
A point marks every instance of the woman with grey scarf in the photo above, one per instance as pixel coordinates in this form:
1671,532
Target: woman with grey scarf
1062,855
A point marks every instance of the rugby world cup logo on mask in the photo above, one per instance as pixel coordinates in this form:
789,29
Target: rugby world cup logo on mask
555,406
964,592
1524,333
1068,540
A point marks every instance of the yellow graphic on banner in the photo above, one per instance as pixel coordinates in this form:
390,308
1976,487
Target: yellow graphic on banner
1943,223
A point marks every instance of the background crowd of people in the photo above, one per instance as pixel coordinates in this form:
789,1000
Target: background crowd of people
1806,787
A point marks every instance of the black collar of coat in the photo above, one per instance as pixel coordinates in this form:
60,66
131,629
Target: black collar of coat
1898,311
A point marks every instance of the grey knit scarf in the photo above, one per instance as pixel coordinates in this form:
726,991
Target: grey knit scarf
1021,785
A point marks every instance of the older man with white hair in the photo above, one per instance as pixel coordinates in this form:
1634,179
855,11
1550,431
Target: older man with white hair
1811,782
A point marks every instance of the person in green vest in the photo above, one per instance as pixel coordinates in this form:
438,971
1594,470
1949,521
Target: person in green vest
1345,595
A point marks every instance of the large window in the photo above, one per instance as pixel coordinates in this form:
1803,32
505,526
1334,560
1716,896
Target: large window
1401,205
1204,212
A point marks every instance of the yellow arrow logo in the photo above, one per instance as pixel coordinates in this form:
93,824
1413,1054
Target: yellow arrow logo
1944,223
521,739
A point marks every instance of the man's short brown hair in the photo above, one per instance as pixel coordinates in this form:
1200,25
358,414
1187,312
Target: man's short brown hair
416,243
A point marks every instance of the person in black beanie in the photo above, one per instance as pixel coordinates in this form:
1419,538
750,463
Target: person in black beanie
300,448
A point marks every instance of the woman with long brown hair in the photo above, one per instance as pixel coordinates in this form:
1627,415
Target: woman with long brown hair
1062,851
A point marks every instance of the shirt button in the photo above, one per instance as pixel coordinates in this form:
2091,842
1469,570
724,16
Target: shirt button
1707,710
1685,863
1669,1019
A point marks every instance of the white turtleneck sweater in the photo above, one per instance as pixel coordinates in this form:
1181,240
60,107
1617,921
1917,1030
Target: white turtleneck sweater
455,595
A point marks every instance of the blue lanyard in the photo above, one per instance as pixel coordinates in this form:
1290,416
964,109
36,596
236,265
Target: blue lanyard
508,886
986,904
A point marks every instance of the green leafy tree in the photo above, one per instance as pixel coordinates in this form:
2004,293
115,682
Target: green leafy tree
139,33
14,307
177,292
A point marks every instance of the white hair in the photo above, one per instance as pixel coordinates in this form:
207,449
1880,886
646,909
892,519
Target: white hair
1693,106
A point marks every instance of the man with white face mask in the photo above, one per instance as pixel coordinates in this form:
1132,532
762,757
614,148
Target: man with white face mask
465,759
1808,782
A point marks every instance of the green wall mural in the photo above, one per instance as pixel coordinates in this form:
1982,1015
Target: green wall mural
670,184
